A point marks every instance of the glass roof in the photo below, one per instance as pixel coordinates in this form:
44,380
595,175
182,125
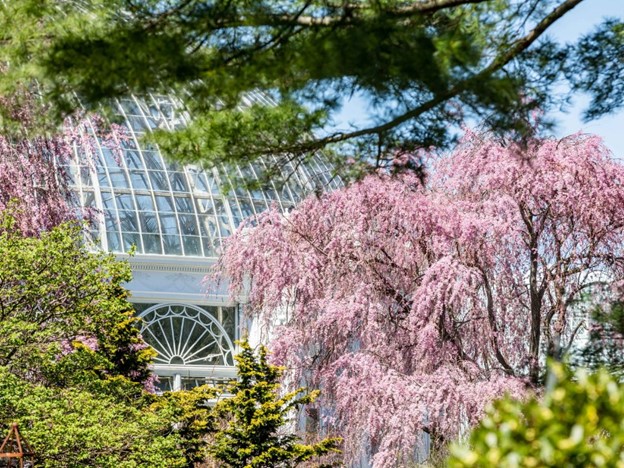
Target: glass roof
164,208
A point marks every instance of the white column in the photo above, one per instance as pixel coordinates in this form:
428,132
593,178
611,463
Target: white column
177,382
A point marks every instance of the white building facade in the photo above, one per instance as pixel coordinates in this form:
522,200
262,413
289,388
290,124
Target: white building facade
175,218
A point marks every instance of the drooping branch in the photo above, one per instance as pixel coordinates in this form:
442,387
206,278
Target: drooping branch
493,325
520,46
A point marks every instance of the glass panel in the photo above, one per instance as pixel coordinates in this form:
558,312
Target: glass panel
140,307
153,160
164,384
119,179
128,221
130,107
178,182
124,201
88,199
151,243
172,245
149,222
164,203
96,159
188,225
109,158
225,227
129,143
85,175
107,200
166,107
188,383
145,202
220,206
192,245
237,217
212,310
71,173
260,206
133,159
184,204
155,123
159,180
111,221
139,179
168,224
270,193
225,316
286,195
228,320
153,110
204,182
93,236
204,205
246,207
136,123
130,239
103,180
208,226
114,245
210,246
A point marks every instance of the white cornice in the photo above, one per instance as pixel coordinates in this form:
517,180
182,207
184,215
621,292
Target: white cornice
169,263
163,297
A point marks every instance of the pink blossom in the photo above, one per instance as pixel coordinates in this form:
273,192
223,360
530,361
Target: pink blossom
34,171
69,346
411,307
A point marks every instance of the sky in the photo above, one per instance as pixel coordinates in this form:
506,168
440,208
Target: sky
579,21
582,20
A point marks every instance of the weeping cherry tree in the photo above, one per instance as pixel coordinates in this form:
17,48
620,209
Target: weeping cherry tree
413,305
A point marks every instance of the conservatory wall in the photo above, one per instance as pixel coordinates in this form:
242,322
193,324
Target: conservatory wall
170,221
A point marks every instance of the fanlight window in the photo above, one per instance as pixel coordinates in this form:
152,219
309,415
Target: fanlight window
187,335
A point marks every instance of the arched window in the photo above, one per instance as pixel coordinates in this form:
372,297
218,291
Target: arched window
192,342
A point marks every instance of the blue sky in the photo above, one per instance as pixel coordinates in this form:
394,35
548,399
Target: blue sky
582,20
579,21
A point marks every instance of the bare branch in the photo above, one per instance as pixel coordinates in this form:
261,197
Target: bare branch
418,8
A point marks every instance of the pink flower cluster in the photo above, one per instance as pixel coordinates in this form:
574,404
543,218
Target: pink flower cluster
69,346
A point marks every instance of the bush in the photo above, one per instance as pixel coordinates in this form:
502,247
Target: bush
578,422
251,424
73,366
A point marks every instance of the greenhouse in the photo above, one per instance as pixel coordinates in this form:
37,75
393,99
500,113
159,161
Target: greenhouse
175,218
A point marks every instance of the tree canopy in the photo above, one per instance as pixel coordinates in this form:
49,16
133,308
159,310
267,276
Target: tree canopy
425,67
252,424
65,315
414,305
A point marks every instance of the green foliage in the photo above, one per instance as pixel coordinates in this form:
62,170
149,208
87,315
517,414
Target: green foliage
423,66
76,428
65,317
189,412
73,365
252,421
595,69
579,422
